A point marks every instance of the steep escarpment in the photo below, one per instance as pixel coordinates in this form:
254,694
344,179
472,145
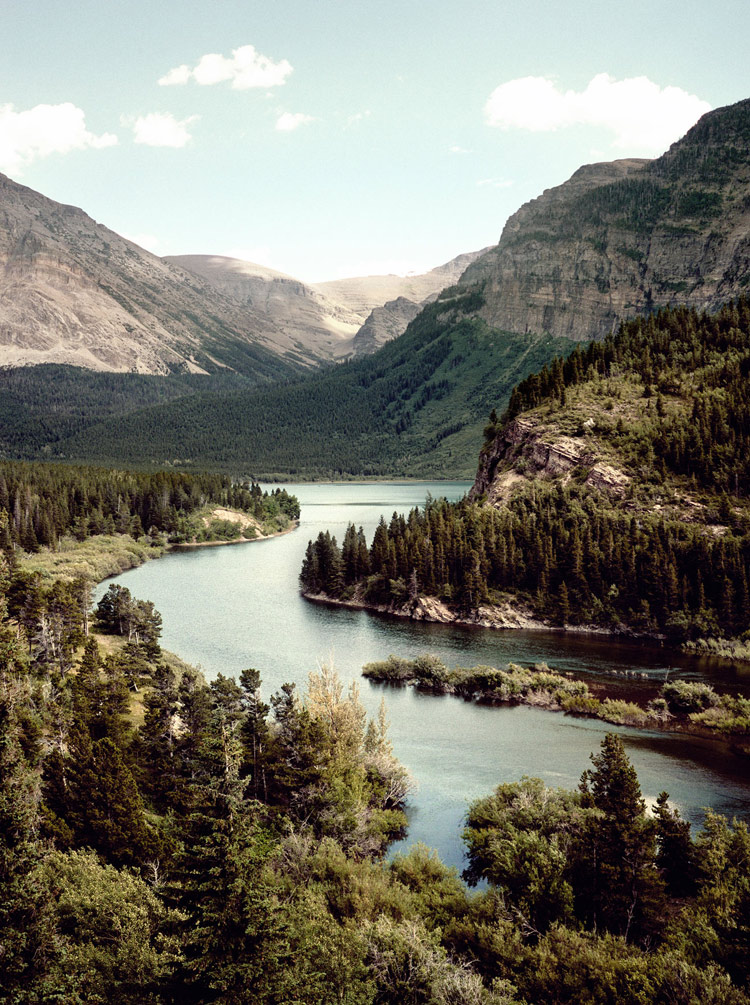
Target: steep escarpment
620,239
74,292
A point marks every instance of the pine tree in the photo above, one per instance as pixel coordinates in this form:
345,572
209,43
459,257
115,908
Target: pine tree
622,893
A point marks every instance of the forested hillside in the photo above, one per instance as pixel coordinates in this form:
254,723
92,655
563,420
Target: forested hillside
416,407
612,493
166,841
40,405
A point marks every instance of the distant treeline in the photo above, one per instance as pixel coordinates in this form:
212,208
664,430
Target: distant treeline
39,503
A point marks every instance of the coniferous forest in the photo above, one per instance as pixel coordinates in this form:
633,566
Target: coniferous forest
667,402
168,840
165,840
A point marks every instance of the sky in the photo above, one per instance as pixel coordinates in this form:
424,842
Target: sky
333,138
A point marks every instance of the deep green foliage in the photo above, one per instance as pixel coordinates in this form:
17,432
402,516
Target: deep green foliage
221,853
572,559
415,407
41,502
572,554
700,361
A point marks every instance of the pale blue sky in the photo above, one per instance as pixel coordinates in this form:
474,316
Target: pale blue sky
396,161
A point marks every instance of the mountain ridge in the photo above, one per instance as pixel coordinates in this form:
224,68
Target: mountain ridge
73,291
621,239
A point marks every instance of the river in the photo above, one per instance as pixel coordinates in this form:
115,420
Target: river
228,608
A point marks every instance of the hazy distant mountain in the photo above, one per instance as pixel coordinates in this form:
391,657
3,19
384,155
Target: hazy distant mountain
312,324
331,320
363,293
72,291
622,239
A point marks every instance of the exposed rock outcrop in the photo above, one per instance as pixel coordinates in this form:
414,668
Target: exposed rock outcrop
526,449
623,238
383,324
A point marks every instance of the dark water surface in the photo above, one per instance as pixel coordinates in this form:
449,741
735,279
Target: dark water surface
232,607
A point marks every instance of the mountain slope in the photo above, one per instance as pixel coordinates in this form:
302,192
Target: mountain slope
416,407
614,493
365,294
313,325
621,239
72,291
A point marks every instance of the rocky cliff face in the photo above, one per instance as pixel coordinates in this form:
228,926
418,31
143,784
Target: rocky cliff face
385,323
526,449
72,291
627,237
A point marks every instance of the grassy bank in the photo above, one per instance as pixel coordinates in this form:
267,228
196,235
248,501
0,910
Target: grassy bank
681,705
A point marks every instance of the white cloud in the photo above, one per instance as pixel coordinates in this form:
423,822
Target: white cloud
44,130
245,68
292,120
644,117
159,129
458,150
178,75
494,183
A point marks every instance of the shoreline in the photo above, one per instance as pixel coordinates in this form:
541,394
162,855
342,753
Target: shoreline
510,617
103,557
493,617
176,546
673,725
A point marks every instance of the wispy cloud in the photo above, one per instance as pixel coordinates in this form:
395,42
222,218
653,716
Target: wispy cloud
494,183
289,121
245,68
162,129
43,130
644,117
458,150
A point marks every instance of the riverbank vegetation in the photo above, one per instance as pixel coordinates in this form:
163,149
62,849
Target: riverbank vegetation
679,704
40,504
640,523
218,849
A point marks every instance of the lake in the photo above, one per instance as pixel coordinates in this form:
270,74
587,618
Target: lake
227,608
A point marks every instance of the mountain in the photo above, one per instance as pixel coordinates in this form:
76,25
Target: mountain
416,407
72,291
314,326
619,240
386,323
363,293
329,321
612,494
616,239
